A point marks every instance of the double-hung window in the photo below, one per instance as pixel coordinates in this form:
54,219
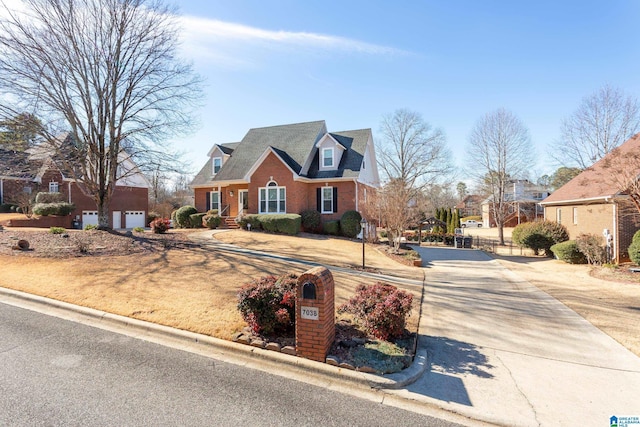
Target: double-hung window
272,198
327,157
217,164
327,200
54,187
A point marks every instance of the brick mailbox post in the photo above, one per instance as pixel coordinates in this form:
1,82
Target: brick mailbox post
315,314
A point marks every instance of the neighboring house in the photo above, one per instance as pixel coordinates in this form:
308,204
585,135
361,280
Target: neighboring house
289,169
595,203
35,171
523,198
471,205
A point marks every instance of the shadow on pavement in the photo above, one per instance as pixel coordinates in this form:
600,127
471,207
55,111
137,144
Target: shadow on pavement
450,360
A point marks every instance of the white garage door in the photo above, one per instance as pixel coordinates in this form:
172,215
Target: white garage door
89,218
134,219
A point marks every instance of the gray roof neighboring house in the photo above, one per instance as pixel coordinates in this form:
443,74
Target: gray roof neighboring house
18,165
295,144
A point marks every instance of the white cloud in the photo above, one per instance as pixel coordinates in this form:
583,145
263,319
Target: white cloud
210,37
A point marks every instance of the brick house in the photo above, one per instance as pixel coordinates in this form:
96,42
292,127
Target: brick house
594,202
289,169
470,205
33,172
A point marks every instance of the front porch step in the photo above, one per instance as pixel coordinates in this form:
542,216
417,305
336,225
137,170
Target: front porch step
229,222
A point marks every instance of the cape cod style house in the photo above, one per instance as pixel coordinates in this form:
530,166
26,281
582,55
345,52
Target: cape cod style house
597,200
33,171
289,169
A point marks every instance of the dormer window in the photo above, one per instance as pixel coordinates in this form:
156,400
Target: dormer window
217,164
327,157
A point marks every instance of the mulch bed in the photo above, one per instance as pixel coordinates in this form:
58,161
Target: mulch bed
77,243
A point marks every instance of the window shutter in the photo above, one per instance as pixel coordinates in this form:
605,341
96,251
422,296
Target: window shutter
335,199
208,202
319,199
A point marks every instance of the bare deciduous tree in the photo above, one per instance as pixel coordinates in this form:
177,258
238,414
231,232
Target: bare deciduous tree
412,150
602,122
107,72
500,149
412,156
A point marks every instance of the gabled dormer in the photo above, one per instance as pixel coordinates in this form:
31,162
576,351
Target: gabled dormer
330,153
219,154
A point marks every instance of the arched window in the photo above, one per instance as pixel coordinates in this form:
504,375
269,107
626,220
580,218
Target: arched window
272,198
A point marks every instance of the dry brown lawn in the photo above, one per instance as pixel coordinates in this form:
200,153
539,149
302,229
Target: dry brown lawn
188,288
612,306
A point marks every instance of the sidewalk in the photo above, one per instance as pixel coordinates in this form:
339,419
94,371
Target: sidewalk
502,351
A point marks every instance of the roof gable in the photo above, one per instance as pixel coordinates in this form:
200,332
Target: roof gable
294,144
595,182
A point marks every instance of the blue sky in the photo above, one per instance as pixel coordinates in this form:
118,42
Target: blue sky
351,62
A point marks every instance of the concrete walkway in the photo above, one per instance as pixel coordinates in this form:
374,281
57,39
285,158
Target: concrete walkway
502,351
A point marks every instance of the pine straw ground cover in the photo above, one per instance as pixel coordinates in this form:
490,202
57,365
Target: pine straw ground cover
166,279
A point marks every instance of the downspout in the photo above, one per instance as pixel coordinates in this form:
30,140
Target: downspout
69,191
616,235
1,191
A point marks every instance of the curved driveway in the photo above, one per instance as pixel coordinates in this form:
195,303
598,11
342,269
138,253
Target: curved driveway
503,351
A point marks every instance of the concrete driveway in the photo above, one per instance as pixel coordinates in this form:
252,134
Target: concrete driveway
505,352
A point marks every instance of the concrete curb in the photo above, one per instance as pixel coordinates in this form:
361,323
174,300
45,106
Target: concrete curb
142,329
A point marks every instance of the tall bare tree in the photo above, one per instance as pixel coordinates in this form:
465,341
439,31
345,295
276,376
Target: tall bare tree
411,150
412,156
500,149
107,72
602,122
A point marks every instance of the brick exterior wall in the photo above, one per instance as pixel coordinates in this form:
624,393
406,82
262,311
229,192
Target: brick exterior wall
124,198
300,196
622,222
314,338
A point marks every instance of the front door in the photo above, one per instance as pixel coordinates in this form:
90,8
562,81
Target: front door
243,201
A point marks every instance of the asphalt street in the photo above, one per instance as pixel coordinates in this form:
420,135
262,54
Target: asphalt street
55,372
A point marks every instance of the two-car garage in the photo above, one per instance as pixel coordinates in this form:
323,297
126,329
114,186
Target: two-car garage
132,219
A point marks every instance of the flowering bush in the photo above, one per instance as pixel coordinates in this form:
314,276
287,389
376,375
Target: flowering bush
268,304
381,309
160,225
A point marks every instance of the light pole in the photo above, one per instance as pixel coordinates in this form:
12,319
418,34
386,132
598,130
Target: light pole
363,226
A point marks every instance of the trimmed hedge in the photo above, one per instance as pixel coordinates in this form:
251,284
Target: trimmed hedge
211,221
350,223
331,227
183,216
634,248
539,236
311,220
281,223
45,197
46,209
195,220
252,219
568,252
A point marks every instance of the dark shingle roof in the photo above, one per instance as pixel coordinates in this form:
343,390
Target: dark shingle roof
18,164
294,144
355,141
296,140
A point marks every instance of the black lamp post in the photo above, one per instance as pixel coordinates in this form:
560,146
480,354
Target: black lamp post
363,226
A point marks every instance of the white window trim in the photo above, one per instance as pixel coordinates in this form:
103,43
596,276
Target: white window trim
57,187
332,151
213,165
322,200
559,215
575,215
277,189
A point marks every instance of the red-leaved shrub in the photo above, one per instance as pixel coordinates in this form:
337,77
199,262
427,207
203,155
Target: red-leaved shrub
268,304
381,309
160,225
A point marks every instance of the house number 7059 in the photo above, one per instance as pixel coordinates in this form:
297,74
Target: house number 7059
311,313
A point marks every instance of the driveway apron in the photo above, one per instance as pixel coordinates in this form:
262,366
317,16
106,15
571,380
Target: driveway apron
503,351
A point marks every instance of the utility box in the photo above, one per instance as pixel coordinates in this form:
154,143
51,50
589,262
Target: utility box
315,314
